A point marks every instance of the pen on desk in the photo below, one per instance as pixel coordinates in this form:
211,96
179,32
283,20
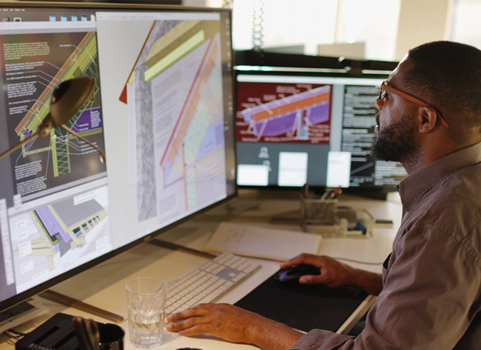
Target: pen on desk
336,192
326,195
306,190
361,227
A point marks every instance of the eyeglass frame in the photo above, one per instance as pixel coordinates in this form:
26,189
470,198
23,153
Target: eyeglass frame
408,97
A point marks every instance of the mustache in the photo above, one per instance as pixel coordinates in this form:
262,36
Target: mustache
377,116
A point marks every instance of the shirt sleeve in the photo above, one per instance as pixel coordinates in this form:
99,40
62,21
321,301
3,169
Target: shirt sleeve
427,300
320,339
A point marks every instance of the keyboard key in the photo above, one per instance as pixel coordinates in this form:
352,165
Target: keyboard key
209,282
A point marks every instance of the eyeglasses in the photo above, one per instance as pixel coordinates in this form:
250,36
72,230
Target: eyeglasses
385,87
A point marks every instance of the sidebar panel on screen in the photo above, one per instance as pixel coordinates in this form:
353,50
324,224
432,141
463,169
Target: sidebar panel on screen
54,204
359,121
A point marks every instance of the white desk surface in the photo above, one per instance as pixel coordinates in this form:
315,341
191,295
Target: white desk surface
104,285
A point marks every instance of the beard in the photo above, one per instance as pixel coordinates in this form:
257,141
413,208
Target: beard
396,142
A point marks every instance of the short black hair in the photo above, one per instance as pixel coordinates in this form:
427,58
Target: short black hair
447,75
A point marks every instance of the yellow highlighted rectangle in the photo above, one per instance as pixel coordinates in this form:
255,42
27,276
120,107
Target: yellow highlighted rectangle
175,55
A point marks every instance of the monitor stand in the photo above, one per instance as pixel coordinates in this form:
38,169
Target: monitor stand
173,246
80,305
32,308
21,313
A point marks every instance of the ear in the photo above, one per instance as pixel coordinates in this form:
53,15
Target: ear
427,119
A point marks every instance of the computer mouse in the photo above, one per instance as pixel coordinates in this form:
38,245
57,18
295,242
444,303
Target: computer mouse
294,272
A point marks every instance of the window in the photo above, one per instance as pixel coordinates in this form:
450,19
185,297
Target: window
465,25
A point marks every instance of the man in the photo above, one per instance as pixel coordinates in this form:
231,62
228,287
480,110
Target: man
429,293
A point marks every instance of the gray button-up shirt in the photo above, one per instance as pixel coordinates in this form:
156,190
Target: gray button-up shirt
431,297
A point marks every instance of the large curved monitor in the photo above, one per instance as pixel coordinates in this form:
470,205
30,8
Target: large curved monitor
162,112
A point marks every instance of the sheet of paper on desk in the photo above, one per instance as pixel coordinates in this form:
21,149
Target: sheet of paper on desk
261,242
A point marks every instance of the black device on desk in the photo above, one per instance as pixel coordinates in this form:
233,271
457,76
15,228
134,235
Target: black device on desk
65,332
306,307
56,333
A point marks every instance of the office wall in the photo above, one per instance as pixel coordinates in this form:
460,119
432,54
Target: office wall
466,26
285,23
421,21
372,22
313,22
389,28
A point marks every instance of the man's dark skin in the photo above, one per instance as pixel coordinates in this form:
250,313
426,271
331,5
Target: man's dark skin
430,141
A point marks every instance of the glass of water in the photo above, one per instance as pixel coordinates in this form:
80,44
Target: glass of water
146,299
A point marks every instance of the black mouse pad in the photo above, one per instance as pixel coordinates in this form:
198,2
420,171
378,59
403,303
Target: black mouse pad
303,307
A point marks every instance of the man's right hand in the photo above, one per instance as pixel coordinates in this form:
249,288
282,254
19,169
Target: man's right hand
336,274
233,324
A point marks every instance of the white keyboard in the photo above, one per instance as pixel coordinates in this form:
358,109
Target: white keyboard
209,282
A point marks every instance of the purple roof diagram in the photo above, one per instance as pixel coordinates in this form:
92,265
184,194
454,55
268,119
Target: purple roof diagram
290,115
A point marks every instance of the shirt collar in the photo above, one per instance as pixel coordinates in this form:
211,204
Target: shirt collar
416,185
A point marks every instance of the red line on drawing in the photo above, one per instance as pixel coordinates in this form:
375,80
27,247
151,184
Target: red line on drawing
197,75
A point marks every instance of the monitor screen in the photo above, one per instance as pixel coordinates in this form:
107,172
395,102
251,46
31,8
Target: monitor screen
315,128
162,112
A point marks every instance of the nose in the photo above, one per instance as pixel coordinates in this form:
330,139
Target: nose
379,103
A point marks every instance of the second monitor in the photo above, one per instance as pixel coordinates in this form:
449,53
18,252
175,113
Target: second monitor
316,128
